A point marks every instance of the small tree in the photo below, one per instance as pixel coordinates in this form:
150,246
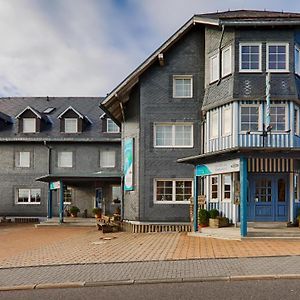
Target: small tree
203,217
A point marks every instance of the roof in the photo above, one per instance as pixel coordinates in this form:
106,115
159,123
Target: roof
74,110
114,101
236,152
37,113
88,107
81,177
6,118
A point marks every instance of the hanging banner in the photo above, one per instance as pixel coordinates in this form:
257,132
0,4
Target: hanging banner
128,164
221,167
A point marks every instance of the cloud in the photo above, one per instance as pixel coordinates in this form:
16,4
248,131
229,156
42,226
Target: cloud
86,47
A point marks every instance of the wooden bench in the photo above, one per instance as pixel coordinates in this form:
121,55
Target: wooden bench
107,224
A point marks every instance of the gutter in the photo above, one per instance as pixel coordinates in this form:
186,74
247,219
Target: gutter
220,55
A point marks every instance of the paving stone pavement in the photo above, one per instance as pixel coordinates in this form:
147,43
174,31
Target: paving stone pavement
150,270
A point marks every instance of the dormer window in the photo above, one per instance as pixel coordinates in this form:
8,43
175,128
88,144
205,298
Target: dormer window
29,125
72,121
112,127
71,125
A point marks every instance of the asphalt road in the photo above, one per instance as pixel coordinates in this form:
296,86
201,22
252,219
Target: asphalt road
260,289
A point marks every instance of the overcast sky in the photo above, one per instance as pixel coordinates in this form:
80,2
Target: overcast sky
86,47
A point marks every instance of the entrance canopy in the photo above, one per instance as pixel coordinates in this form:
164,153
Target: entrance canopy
241,152
81,177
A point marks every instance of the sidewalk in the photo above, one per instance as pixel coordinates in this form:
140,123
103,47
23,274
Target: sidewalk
149,272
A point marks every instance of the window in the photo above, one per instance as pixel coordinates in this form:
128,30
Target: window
29,125
67,195
172,191
263,190
277,57
296,121
214,188
226,61
112,126
28,196
65,159
23,159
278,118
71,125
227,120
249,118
226,179
296,187
171,135
214,124
183,86
107,159
250,57
214,68
297,60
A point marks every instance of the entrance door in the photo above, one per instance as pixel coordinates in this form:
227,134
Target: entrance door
268,197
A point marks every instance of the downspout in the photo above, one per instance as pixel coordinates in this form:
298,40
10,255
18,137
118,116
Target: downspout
49,209
49,156
220,55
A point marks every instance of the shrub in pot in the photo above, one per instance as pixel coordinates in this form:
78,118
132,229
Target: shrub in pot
214,218
97,212
203,217
74,210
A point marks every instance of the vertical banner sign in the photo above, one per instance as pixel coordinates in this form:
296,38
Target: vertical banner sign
268,89
128,164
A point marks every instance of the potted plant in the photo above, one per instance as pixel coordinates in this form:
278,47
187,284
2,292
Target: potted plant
203,218
213,218
74,210
97,212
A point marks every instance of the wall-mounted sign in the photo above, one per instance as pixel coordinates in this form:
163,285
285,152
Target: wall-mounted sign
128,164
221,167
55,185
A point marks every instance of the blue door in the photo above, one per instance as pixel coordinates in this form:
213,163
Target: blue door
268,198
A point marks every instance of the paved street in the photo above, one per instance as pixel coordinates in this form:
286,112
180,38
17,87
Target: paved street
263,290
27,246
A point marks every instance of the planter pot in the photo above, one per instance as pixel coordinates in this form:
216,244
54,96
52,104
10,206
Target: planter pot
74,215
218,222
98,216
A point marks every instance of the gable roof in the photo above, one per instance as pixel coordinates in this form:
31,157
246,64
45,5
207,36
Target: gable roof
38,114
113,103
6,118
74,110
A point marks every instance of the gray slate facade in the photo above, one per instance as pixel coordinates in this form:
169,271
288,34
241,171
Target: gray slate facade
86,147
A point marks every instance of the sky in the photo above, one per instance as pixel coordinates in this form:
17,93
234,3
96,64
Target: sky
87,47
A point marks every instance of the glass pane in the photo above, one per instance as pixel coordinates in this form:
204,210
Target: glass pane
163,135
281,190
23,195
35,195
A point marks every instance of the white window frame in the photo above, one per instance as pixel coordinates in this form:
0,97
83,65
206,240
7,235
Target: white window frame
189,77
211,199
286,117
223,187
226,108
297,67
286,58
71,119
112,131
72,195
228,48
173,190
29,196
108,165
259,117
241,70
296,120
212,124
211,59
33,130
173,135
59,165
19,160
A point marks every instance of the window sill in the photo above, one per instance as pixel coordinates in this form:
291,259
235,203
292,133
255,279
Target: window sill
28,203
277,71
172,147
172,202
250,71
182,97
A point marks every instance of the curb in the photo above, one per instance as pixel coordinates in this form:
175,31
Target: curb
81,284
